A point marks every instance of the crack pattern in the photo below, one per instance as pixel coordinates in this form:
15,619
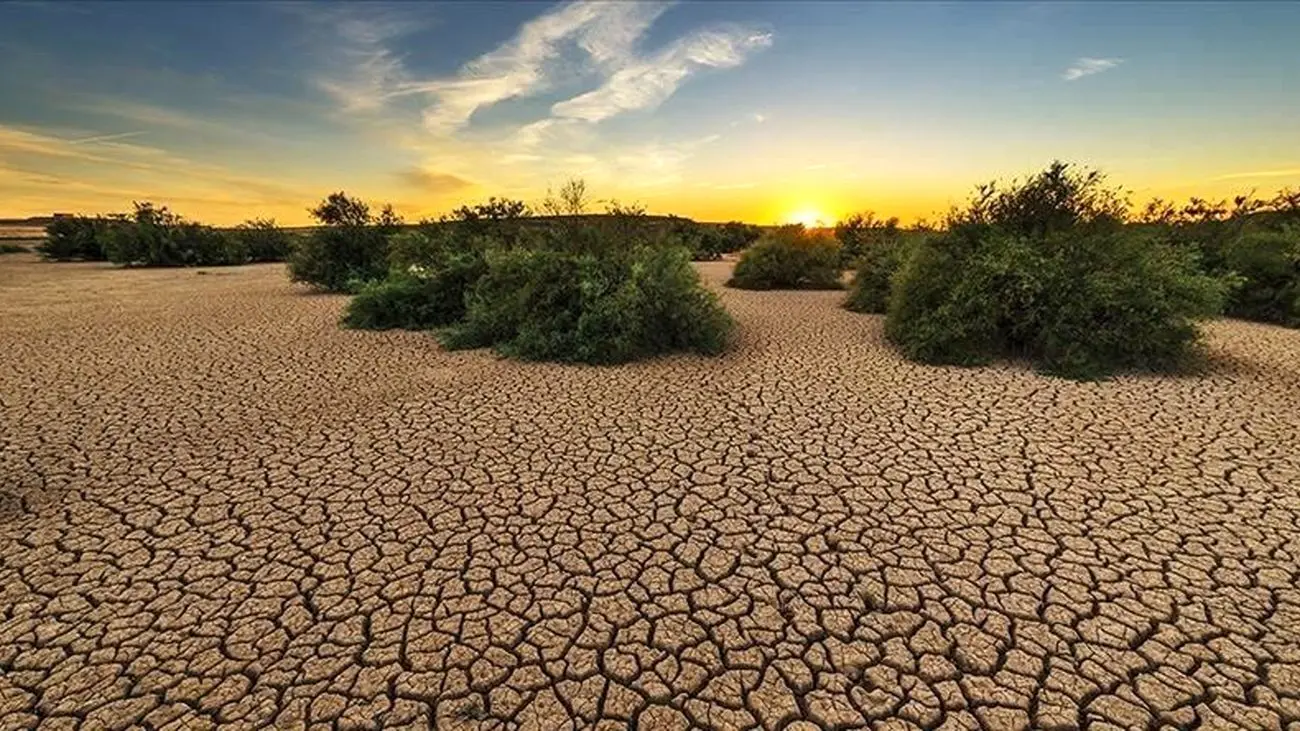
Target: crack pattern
219,509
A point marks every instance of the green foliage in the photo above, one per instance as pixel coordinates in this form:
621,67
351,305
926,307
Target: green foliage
69,238
418,297
861,232
261,240
1045,271
12,249
573,305
707,241
350,247
737,236
876,265
1253,240
156,237
1060,198
1268,261
789,258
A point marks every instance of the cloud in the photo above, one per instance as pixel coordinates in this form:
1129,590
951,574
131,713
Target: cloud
432,182
534,61
1262,174
1088,66
646,83
105,138
759,118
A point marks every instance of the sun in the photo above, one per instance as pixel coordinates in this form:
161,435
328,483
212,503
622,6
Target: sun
809,217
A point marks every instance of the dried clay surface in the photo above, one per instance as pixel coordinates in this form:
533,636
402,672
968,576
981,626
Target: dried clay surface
222,510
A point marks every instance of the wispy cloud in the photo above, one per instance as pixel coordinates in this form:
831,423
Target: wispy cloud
607,34
1088,66
105,138
1262,174
432,182
646,83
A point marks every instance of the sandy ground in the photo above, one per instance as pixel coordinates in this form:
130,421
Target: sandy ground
218,508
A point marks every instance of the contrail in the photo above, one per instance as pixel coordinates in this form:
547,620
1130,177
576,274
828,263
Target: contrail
105,138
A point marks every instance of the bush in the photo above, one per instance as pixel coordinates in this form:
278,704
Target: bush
1253,240
566,305
1045,271
348,249
876,267
69,238
789,258
708,242
156,237
1268,263
261,240
12,249
862,232
737,236
418,297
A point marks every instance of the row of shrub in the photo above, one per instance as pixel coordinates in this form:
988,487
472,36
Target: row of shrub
154,236
351,246
605,289
1052,270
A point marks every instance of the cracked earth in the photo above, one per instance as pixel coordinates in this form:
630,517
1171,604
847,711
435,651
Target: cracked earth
220,509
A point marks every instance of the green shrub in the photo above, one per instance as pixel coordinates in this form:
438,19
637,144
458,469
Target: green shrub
1045,271
418,297
708,242
568,305
12,249
737,236
876,266
69,238
862,232
1253,240
789,258
261,240
1268,263
156,237
350,246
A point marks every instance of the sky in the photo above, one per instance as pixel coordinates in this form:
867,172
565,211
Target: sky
766,111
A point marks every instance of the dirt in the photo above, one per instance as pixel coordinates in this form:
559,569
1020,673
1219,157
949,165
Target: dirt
219,508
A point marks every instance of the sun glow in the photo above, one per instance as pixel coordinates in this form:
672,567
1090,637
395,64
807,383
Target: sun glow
809,217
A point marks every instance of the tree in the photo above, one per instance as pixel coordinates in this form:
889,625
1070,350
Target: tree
340,210
571,201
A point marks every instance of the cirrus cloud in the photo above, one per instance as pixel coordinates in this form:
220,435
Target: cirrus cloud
1087,66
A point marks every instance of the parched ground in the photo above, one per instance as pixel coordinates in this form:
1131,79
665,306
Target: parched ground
221,509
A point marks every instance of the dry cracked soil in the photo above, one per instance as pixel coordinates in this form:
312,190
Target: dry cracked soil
219,509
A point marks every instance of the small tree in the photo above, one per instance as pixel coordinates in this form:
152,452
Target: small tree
348,249
570,201
340,210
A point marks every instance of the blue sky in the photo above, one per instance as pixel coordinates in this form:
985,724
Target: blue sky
763,111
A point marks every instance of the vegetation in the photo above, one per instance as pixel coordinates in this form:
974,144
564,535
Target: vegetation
153,236
12,249
861,232
348,249
873,276
790,257
418,297
261,240
1256,241
70,238
603,289
708,242
1045,270
580,306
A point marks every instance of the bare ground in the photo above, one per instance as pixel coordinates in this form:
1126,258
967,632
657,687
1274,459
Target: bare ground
217,508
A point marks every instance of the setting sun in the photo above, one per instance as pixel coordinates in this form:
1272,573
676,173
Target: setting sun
809,217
